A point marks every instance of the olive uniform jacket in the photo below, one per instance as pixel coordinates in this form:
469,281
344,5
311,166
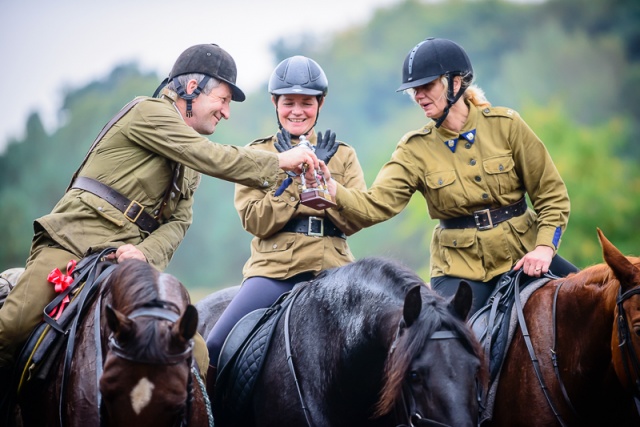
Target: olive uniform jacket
280,255
136,157
496,168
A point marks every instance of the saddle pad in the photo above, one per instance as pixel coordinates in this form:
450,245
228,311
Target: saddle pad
244,353
525,293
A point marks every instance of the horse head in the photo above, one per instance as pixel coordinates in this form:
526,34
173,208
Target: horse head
625,342
434,362
146,380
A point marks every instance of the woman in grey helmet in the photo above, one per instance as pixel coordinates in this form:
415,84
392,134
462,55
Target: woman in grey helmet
292,241
474,164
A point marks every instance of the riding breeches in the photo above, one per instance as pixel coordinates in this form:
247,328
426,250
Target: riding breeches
448,285
22,310
255,292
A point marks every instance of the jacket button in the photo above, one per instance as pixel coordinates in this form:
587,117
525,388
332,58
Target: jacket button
467,145
173,195
472,162
275,246
293,199
455,243
439,182
500,168
265,184
485,196
478,178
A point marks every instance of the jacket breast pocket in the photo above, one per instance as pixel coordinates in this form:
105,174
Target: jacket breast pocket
443,188
501,174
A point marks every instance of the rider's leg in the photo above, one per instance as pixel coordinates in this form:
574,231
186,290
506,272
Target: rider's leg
448,285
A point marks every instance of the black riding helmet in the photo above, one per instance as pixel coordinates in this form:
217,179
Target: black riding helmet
431,59
210,60
298,75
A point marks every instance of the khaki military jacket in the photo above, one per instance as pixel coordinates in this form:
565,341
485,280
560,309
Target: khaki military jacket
281,255
136,157
505,161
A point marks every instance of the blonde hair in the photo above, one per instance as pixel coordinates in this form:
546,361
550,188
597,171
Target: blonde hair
473,93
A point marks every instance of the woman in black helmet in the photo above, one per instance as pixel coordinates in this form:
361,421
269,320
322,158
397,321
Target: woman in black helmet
292,241
473,164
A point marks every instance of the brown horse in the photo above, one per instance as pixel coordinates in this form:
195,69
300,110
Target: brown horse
131,364
589,325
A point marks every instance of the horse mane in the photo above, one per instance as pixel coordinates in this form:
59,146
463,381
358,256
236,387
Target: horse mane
135,284
600,276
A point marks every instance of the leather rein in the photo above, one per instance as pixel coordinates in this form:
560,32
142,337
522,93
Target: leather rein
630,362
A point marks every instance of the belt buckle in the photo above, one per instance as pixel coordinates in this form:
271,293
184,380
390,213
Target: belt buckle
310,230
131,208
476,218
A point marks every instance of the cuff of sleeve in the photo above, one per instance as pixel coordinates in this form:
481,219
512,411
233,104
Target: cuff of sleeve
549,236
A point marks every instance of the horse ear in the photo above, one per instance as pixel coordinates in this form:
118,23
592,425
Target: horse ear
117,322
460,303
189,322
412,305
627,274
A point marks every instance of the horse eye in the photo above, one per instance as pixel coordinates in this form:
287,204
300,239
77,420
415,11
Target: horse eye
414,377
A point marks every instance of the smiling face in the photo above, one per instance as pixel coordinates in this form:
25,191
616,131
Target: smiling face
209,109
297,113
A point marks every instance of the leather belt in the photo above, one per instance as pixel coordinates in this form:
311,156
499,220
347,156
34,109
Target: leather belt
486,219
132,210
313,226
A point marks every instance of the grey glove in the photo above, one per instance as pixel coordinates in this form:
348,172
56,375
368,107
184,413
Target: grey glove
283,142
326,146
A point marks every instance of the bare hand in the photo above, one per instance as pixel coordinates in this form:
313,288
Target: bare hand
537,262
127,252
332,186
293,159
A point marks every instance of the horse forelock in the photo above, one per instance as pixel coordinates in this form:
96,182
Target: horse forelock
136,284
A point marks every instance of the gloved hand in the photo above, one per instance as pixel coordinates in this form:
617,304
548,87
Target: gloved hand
326,146
283,142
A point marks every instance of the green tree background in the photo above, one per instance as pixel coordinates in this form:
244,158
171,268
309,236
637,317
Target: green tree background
571,68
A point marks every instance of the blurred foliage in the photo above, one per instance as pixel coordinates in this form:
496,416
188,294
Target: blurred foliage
571,68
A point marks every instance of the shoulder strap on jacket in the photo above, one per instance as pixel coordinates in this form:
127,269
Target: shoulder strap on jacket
104,130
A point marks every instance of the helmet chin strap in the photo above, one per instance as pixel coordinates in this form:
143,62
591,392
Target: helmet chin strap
451,99
189,97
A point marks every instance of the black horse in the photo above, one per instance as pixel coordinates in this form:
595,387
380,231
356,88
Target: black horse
367,344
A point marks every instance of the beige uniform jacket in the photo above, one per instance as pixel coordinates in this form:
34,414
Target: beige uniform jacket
281,255
505,161
136,158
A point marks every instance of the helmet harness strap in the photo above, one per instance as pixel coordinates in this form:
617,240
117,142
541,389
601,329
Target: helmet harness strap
451,99
189,97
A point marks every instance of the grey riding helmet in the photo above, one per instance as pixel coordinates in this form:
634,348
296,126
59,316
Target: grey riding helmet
298,75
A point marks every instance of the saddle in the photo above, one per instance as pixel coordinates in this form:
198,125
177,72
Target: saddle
490,324
36,358
242,356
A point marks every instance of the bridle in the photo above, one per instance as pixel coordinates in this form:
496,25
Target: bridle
630,362
410,413
159,310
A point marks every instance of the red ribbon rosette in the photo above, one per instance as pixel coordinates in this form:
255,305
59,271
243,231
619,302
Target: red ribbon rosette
61,282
